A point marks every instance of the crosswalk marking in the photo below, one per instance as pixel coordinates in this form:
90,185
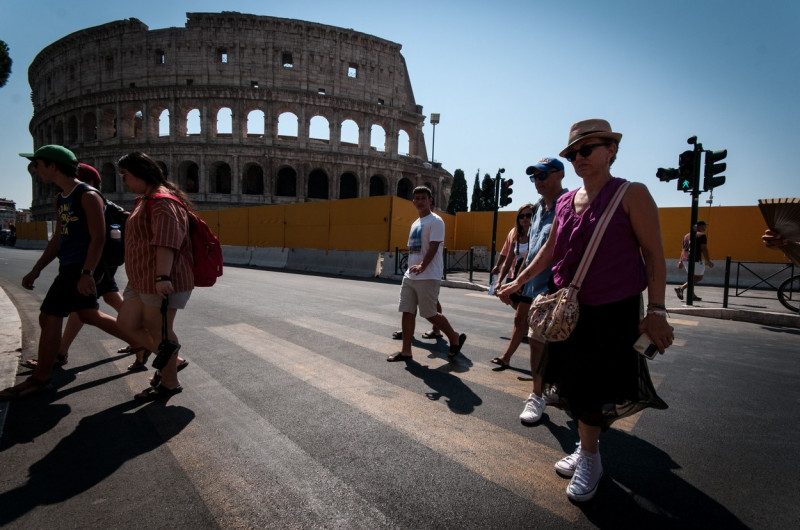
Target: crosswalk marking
230,460
514,462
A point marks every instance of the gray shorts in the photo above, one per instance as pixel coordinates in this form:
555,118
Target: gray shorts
419,293
176,300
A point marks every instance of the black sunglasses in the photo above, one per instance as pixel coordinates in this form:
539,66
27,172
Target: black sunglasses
585,151
525,216
542,175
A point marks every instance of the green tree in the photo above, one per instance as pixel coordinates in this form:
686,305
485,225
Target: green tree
5,64
475,204
487,193
458,193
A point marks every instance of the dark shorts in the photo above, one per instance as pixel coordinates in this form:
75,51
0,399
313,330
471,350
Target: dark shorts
106,282
63,297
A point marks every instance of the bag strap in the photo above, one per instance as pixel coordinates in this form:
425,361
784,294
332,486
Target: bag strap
594,242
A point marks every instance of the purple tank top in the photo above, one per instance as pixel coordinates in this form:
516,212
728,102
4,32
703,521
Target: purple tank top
617,270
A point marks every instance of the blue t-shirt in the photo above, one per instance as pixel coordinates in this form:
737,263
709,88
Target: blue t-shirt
541,224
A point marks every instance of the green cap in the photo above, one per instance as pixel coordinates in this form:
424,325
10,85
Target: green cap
54,153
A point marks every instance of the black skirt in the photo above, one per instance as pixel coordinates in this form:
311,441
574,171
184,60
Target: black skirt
598,375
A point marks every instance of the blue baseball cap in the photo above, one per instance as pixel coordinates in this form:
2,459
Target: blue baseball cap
545,164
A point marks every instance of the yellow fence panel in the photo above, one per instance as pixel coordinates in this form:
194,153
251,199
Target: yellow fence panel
267,226
360,224
307,225
33,231
233,227
403,215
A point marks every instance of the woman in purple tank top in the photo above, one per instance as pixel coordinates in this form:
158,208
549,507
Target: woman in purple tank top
597,374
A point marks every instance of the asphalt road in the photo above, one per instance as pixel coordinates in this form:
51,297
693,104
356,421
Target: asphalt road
292,418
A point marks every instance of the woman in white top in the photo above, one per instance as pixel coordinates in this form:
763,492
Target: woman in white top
515,250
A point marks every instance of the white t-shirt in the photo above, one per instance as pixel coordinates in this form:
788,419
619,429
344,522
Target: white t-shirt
423,231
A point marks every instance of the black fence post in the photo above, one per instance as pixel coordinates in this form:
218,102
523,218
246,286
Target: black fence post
446,263
471,250
396,259
727,282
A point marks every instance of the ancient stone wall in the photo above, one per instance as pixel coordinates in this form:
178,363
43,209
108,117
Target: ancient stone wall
238,109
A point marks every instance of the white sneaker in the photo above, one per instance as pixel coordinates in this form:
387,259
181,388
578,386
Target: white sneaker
566,466
534,407
586,478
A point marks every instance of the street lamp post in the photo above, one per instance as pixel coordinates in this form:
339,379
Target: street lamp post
434,121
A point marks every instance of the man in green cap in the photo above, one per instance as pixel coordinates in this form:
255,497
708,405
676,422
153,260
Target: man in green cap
77,242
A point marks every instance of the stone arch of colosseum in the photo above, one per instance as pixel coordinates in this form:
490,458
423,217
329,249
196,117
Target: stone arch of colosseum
205,100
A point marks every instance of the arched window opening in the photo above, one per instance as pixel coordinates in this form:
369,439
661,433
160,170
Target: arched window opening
255,123
221,178
318,185
405,188
189,177
163,123
377,138
72,130
224,122
108,178
319,129
349,136
377,186
89,132
348,186
287,183
193,123
403,143
287,125
253,180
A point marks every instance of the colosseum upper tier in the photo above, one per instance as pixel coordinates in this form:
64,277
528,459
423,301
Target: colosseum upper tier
238,109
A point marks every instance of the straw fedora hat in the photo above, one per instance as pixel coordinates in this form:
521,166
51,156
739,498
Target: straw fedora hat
590,129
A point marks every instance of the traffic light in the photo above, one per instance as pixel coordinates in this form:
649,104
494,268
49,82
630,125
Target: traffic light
686,171
712,168
506,191
665,175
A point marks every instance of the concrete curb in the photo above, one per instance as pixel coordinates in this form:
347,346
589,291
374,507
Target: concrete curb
766,318
10,347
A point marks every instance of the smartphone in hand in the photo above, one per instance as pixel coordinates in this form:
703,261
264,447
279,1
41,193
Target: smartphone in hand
645,346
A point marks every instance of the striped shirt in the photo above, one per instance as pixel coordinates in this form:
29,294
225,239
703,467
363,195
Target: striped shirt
164,224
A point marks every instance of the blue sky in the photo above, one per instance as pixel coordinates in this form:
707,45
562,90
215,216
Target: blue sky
509,78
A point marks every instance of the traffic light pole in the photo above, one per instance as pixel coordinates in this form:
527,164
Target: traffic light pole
494,222
698,148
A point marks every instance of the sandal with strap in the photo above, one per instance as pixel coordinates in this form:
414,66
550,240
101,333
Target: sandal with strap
61,360
131,349
152,393
29,387
432,335
139,365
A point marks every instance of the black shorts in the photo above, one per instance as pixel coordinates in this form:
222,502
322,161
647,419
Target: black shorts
63,297
105,281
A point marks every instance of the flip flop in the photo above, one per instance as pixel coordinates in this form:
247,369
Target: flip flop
137,366
455,349
131,349
432,335
158,392
501,365
399,357
397,335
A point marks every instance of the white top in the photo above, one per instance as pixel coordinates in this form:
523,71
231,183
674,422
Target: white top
423,231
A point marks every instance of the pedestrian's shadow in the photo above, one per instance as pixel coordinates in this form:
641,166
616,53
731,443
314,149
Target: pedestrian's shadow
100,444
641,487
460,398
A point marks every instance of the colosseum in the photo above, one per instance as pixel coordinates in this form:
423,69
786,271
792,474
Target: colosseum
238,109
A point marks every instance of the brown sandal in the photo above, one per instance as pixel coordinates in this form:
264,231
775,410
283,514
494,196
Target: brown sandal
61,360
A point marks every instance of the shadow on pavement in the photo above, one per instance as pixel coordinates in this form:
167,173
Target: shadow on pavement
460,398
100,444
641,488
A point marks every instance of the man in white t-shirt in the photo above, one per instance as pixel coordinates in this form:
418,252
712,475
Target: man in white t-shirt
423,278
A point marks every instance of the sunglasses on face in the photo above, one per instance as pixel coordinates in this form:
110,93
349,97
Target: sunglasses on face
525,216
541,175
585,151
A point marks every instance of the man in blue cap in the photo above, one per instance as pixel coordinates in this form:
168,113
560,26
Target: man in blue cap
77,242
546,175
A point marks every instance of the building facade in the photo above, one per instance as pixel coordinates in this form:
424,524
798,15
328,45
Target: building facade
238,109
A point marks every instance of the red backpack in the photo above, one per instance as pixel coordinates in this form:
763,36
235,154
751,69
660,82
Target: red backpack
206,258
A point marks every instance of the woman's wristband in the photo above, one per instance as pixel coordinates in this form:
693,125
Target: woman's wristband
163,278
